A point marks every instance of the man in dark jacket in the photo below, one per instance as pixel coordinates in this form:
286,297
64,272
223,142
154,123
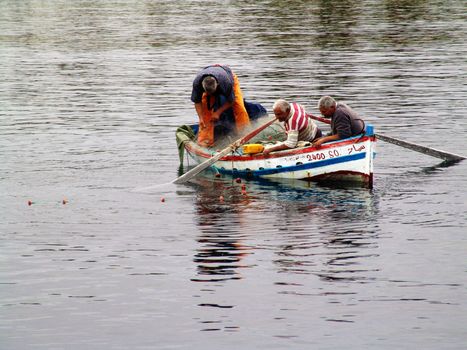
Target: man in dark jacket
216,89
344,121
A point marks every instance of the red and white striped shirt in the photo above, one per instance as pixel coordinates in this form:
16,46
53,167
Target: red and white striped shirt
297,118
299,127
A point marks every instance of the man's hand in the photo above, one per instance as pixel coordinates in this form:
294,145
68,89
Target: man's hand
317,143
215,115
324,139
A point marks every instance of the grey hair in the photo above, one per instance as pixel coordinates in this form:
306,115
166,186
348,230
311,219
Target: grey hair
281,105
209,84
326,102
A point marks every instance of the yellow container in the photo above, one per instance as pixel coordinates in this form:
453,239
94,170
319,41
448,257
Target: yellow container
253,148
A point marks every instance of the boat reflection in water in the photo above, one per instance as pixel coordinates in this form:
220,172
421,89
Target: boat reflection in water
283,230
231,213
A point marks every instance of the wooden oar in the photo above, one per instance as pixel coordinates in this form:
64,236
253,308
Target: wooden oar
409,145
232,147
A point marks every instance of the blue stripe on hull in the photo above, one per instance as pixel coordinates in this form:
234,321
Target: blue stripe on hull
293,168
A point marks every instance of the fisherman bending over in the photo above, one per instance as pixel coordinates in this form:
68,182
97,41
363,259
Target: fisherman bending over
219,103
298,125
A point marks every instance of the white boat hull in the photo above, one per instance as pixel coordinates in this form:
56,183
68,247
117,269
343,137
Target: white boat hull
344,160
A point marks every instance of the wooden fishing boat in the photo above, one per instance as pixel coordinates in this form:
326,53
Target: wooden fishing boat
349,160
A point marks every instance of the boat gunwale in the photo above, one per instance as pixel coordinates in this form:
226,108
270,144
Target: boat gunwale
194,148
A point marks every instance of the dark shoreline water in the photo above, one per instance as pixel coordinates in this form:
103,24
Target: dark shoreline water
90,96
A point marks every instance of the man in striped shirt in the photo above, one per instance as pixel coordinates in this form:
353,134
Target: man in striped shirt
298,125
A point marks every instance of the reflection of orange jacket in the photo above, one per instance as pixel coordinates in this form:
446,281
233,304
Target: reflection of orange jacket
206,123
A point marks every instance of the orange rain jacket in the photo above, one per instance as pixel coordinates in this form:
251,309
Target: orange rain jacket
207,124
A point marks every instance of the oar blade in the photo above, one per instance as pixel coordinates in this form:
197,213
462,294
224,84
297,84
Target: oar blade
422,149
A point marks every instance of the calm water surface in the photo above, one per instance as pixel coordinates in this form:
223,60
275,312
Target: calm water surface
91,93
